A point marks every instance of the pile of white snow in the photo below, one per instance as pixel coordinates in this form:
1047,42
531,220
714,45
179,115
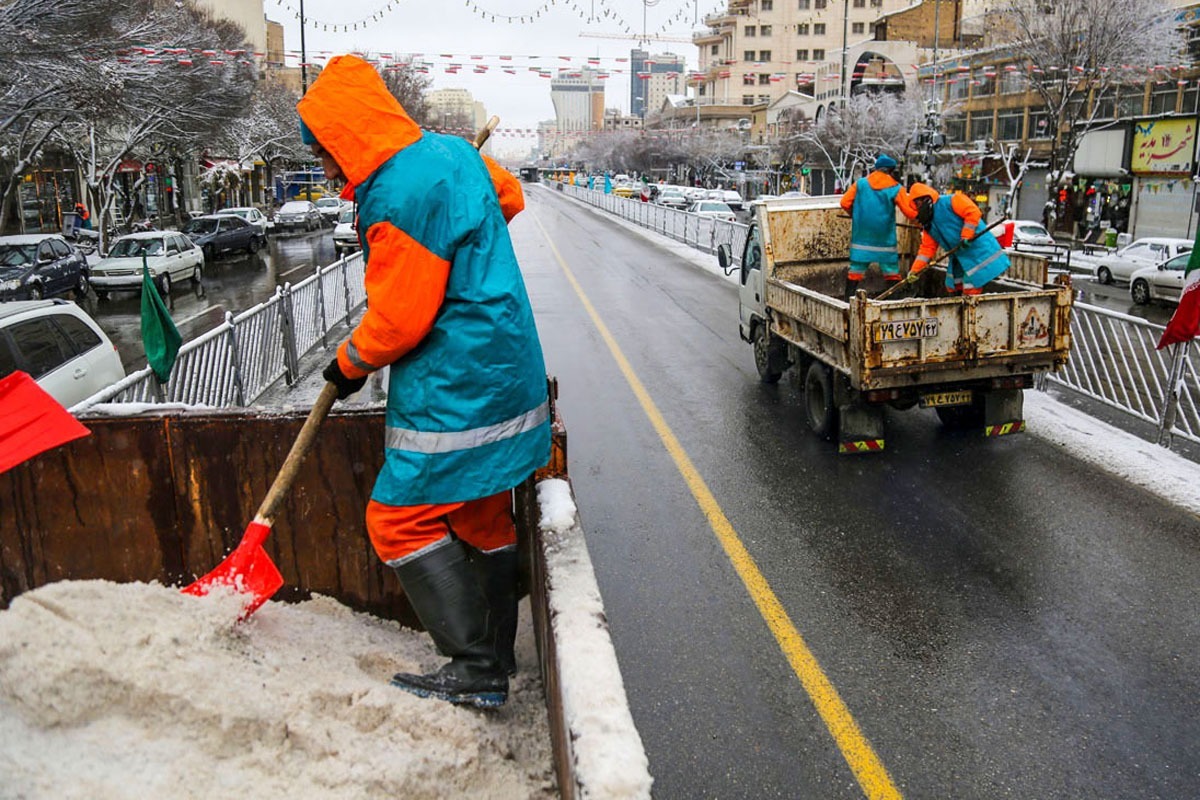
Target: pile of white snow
135,690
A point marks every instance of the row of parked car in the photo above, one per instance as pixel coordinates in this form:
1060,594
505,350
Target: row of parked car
42,265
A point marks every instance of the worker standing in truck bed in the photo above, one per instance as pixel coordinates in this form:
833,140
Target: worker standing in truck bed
870,202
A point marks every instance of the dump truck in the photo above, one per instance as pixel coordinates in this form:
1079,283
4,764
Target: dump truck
162,492
969,358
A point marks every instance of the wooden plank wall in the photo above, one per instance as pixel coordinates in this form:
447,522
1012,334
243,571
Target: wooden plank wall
164,495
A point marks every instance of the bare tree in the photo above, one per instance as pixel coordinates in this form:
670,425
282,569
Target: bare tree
268,130
850,137
157,100
57,63
409,87
1076,50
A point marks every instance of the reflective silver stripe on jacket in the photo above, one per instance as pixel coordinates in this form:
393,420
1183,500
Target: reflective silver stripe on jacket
356,359
432,442
985,262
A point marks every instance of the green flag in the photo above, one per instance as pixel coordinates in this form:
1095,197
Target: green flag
159,334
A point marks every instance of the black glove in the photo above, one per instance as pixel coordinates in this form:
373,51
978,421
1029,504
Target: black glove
345,386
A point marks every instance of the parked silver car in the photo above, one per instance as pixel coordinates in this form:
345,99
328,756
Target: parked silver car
297,215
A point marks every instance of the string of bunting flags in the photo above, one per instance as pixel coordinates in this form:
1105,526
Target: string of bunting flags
586,10
566,66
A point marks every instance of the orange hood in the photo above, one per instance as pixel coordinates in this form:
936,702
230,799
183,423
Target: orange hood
918,190
354,116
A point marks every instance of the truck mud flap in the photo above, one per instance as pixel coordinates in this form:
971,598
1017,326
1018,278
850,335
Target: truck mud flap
862,446
1005,429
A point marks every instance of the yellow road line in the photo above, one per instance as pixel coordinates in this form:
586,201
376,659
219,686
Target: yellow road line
868,769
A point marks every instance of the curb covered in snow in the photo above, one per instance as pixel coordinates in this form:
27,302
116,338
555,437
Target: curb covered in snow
599,751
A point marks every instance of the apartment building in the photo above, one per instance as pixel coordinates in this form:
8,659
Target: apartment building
578,98
653,77
1133,172
756,51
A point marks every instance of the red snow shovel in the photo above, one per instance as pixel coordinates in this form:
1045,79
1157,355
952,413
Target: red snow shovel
248,569
31,421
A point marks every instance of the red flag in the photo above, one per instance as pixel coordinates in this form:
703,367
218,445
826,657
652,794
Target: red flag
1184,324
31,421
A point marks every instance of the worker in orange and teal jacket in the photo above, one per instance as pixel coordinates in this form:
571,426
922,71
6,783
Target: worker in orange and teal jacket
871,204
467,410
955,221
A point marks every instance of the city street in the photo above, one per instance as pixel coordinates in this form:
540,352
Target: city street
233,283
998,618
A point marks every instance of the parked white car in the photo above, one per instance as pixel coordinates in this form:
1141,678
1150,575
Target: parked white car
170,256
1162,282
330,208
672,197
345,236
250,214
713,208
726,196
1031,237
60,346
1147,252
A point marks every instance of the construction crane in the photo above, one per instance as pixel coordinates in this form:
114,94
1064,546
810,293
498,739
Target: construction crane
641,37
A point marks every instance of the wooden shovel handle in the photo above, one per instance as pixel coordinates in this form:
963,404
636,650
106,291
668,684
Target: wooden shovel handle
486,131
295,457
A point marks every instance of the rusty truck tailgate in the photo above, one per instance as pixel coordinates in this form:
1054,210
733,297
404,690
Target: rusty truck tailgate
926,340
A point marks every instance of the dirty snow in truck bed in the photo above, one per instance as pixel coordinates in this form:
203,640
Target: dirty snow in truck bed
136,690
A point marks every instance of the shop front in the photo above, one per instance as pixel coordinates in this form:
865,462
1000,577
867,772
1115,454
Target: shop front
1162,160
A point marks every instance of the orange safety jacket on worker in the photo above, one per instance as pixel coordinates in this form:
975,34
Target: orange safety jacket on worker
873,232
958,222
467,412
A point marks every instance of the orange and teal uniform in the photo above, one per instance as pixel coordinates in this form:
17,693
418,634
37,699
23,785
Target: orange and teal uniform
467,411
871,204
957,220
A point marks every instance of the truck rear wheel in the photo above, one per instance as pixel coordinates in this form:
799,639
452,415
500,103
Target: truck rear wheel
770,355
819,408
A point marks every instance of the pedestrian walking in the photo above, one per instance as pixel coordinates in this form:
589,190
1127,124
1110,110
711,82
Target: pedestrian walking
467,409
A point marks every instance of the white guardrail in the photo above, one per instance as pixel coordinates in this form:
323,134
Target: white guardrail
1113,356
238,361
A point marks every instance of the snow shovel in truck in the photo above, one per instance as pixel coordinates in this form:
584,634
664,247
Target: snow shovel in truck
248,569
888,292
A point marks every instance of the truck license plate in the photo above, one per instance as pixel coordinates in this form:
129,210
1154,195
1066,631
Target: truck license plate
942,399
899,329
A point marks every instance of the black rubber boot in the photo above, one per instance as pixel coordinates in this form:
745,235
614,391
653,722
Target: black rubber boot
851,288
497,574
444,591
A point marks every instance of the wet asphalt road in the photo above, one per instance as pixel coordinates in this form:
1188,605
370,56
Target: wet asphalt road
231,283
999,619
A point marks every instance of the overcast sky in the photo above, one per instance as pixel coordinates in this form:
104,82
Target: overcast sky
458,27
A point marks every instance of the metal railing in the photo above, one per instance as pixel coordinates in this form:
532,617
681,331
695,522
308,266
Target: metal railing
703,233
1114,361
1113,356
238,361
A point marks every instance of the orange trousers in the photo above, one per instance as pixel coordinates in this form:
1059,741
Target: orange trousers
400,532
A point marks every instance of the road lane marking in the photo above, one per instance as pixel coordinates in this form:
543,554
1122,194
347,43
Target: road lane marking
217,308
870,772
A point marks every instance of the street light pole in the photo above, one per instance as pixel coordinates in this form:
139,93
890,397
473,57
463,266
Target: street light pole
303,54
845,44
